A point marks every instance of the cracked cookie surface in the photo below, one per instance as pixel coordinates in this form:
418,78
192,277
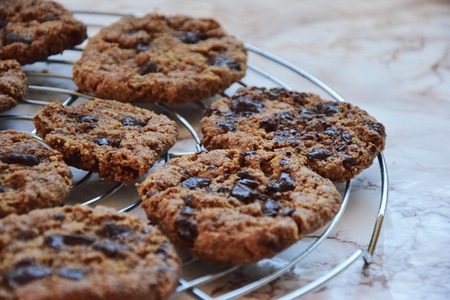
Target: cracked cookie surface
31,175
32,30
160,58
76,252
118,140
338,139
237,207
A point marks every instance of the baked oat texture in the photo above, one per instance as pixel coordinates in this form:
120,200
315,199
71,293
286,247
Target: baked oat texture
32,30
31,175
75,252
13,84
338,140
236,207
118,140
160,58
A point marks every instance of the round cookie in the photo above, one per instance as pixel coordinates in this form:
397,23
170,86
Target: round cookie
31,175
32,30
13,84
75,252
236,207
118,140
337,139
160,58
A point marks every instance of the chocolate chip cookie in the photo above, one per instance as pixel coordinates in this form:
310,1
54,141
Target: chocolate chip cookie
160,58
13,84
31,175
237,207
75,252
32,30
337,139
118,140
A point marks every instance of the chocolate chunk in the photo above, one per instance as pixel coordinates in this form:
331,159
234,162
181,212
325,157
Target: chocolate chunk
346,137
111,249
59,217
246,106
21,159
77,239
245,190
299,98
306,114
87,119
24,274
230,115
285,115
127,121
71,273
228,126
104,141
272,94
220,60
327,109
210,111
11,38
319,153
186,228
286,136
187,211
331,131
1,189
195,183
284,162
248,153
286,182
192,37
148,67
141,47
376,127
113,230
283,184
349,161
268,124
57,241
245,174
54,241
101,141
271,208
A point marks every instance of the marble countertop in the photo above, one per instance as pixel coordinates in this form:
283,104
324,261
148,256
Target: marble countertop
391,58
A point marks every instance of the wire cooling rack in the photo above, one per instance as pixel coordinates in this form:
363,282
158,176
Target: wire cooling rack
51,81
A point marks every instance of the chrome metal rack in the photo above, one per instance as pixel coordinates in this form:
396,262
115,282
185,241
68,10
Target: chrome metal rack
51,81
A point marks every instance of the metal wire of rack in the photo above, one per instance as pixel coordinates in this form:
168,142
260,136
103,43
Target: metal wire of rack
51,81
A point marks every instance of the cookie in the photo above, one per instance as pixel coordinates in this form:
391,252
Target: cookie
32,30
337,139
75,252
236,207
159,58
31,175
13,84
118,140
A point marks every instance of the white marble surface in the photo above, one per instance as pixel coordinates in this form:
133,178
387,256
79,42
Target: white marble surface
392,58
